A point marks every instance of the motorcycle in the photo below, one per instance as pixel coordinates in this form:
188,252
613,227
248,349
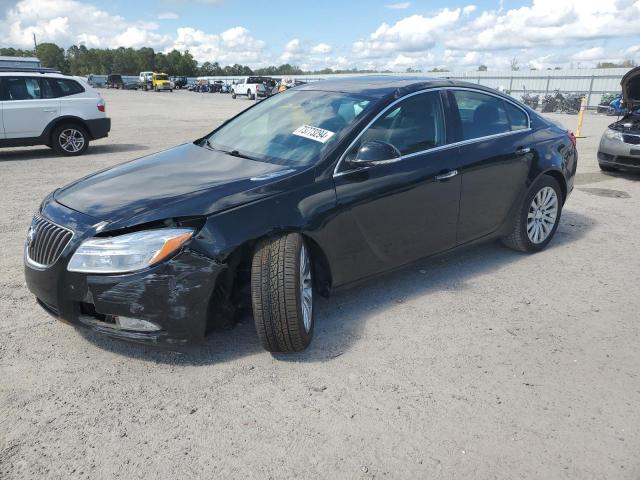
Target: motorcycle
531,101
551,102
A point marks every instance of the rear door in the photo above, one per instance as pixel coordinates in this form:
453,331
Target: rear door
28,107
405,209
497,149
75,99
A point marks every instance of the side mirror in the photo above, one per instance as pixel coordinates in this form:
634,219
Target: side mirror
375,152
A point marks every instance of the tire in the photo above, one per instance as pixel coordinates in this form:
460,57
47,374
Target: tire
61,139
533,234
249,95
233,95
279,292
606,168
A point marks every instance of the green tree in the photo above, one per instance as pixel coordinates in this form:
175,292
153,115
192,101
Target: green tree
51,56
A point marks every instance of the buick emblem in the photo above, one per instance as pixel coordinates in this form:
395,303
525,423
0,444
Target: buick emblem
31,236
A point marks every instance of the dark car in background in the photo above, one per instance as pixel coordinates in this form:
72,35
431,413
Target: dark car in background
308,191
114,80
179,82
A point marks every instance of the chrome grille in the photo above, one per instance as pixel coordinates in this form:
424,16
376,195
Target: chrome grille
46,241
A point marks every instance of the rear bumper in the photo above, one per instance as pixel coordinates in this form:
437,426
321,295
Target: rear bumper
99,127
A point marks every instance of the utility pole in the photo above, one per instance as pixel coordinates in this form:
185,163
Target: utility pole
35,44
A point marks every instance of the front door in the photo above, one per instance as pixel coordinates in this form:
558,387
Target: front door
28,107
397,212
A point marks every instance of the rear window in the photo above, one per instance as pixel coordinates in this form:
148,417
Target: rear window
481,115
257,79
67,87
517,118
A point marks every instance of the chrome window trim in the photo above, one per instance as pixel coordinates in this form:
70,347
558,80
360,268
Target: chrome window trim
336,173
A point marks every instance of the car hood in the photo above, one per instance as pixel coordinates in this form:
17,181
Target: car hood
183,181
631,88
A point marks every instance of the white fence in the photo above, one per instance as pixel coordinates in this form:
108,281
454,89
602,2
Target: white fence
592,82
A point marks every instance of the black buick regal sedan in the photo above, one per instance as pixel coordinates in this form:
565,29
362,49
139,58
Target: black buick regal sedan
310,190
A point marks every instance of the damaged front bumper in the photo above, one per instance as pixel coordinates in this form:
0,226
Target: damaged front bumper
170,301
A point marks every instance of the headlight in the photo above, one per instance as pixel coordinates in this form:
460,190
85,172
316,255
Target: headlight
613,135
129,252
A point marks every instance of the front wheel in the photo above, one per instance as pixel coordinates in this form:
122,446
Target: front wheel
282,293
233,95
538,217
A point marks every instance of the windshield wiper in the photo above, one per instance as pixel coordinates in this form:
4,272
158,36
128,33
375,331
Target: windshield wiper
236,153
233,153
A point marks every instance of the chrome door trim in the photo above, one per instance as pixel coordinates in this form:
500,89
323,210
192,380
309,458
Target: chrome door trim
336,173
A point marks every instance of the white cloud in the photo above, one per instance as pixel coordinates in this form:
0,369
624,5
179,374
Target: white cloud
594,53
321,48
308,57
398,6
540,34
469,9
67,22
411,34
548,22
235,45
168,16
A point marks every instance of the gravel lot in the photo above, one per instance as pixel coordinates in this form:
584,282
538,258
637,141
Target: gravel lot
482,364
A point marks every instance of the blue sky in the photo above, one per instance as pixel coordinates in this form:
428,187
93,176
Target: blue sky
343,34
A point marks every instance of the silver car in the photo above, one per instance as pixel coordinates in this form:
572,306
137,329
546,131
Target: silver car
620,143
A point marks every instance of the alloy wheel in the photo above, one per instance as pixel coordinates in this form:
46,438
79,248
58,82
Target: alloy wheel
71,140
542,215
306,288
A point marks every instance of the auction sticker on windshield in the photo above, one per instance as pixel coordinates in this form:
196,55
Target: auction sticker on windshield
313,133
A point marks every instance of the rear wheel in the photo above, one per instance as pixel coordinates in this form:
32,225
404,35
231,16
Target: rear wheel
538,217
69,139
233,95
282,293
249,95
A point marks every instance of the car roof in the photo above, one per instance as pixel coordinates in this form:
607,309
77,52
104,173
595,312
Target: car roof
379,86
35,73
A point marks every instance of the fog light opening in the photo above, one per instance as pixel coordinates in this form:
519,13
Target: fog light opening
135,324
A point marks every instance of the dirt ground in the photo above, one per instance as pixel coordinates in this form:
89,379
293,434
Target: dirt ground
481,364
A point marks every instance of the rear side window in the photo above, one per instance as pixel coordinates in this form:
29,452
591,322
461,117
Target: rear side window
412,125
481,114
67,87
22,88
517,118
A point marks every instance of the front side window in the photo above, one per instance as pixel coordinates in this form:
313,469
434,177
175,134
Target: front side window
483,115
293,128
22,88
413,125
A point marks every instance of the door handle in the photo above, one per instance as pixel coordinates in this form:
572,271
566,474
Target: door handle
50,110
523,150
449,174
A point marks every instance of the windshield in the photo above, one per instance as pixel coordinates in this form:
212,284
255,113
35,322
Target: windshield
162,77
292,128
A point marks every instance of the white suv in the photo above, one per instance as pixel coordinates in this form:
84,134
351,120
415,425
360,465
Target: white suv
43,108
